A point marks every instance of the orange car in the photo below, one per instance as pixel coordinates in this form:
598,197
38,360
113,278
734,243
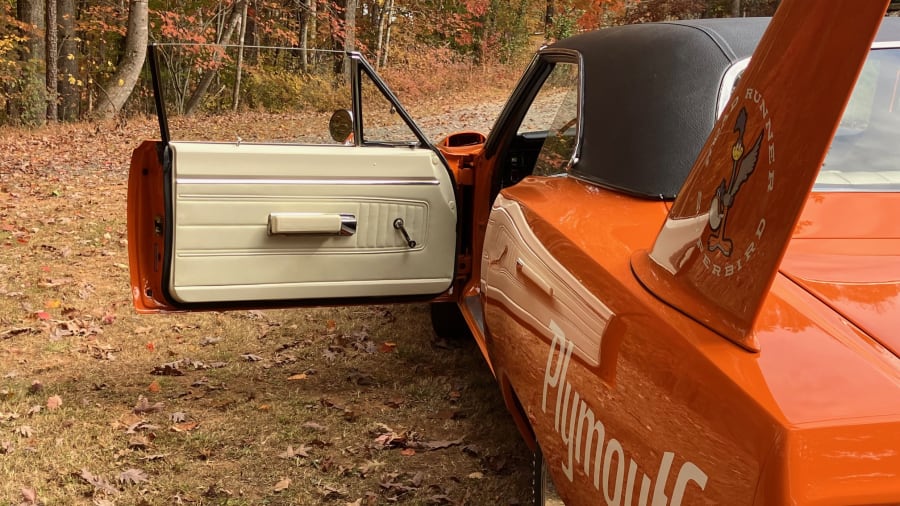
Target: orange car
679,309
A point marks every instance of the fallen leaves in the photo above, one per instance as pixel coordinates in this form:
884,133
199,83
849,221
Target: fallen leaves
54,283
435,445
176,368
131,477
54,402
409,441
140,442
143,406
135,427
332,492
170,369
394,402
396,485
75,327
98,482
108,318
29,496
290,453
184,426
315,426
6,334
369,466
6,417
282,485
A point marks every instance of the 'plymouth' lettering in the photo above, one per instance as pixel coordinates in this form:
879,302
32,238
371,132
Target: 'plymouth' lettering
588,443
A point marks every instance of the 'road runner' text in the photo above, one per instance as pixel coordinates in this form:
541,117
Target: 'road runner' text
582,432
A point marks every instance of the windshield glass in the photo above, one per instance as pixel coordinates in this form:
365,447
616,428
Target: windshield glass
865,153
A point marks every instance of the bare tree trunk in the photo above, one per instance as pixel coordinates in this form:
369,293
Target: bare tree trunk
313,22
220,18
69,85
304,34
236,96
252,35
735,8
387,32
208,75
52,67
549,15
28,103
379,38
117,91
349,33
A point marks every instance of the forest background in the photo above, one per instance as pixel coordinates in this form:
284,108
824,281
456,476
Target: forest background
88,64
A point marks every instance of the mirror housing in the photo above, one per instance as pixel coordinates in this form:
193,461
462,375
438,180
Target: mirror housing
340,126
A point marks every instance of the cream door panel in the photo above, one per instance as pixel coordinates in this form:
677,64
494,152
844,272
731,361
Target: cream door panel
269,222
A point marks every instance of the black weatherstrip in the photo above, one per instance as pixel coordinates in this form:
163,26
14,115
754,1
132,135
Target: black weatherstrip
158,95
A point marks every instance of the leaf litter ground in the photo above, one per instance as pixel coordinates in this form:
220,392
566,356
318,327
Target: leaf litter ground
98,405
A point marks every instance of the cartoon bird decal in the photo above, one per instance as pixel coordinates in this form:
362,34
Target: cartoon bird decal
743,164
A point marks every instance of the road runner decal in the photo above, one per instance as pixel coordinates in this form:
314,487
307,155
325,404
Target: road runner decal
581,432
718,247
743,164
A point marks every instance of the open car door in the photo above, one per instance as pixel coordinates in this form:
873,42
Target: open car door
237,223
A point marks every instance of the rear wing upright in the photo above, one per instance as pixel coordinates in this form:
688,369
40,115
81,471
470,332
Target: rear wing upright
718,252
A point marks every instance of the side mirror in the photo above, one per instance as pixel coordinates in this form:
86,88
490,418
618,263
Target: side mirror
340,126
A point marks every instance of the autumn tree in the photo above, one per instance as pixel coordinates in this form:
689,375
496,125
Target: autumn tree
119,88
234,19
383,38
86,58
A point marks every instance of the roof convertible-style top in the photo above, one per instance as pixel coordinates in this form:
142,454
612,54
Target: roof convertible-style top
651,93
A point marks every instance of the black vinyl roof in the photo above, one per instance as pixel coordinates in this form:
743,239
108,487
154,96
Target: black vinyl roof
650,97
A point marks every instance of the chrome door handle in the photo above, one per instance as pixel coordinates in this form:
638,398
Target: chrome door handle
343,224
532,275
